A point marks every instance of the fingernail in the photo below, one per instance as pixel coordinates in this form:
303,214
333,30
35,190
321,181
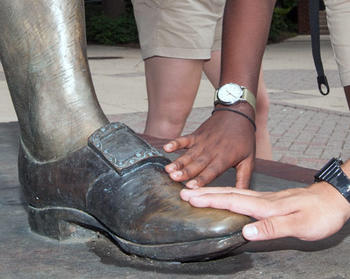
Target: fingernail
193,184
168,146
171,167
184,195
177,174
250,231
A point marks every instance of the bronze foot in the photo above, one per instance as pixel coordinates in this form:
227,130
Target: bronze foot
117,184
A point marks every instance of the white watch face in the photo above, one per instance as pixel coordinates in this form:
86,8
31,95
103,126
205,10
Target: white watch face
230,93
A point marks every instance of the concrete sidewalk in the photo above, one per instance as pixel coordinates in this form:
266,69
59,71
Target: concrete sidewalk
306,128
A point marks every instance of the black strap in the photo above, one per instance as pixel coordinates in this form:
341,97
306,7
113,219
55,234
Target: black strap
314,6
238,112
334,175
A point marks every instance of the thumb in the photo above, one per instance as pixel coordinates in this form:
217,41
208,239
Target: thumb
243,174
269,228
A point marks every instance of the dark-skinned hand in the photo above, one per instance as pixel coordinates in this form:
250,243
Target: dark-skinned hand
224,140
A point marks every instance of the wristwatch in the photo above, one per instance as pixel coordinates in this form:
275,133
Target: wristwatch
334,175
232,93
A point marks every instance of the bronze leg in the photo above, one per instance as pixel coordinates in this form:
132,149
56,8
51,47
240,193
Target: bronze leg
43,52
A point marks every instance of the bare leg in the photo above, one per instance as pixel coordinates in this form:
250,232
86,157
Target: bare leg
263,145
42,48
172,86
212,68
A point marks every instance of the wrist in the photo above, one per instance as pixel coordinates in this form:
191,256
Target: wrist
243,107
235,110
333,174
232,93
332,196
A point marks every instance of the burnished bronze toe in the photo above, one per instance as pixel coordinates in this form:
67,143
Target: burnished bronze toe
117,184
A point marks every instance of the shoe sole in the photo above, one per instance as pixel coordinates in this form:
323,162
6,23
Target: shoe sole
65,223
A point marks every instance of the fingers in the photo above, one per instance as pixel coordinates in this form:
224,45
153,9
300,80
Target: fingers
238,203
196,164
186,194
207,174
277,218
179,143
202,166
272,228
300,212
175,168
187,166
259,205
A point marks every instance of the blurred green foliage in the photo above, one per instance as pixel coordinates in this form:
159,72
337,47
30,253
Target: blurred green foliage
109,31
284,20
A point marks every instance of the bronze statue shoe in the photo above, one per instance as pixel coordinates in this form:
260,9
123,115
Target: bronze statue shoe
117,185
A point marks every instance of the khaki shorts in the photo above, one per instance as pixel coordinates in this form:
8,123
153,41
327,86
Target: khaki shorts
189,29
339,24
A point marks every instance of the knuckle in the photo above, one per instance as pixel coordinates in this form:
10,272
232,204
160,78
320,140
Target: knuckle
201,180
268,228
206,177
192,155
179,164
187,158
271,208
178,141
217,165
191,140
187,173
203,160
202,165
208,155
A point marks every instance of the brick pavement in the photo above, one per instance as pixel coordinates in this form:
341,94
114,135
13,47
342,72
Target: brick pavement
308,137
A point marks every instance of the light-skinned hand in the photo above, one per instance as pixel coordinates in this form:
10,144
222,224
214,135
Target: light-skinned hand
311,213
